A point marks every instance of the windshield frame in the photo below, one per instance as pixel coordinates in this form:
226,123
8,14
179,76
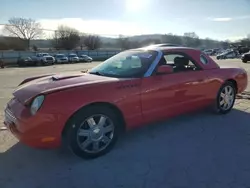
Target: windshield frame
147,72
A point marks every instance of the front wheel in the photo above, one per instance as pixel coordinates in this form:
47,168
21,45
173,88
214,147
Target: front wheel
225,98
93,132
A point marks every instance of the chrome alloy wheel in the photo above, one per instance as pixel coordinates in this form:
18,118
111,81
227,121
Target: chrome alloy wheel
227,96
95,133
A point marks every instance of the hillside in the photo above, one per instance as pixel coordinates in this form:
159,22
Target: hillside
190,39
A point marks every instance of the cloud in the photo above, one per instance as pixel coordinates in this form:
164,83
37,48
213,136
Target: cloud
100,27
220,19
227,19
236,38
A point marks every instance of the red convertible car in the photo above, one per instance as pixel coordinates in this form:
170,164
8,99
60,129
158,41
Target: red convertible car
88,111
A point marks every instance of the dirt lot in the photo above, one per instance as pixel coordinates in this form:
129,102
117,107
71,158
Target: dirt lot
198,150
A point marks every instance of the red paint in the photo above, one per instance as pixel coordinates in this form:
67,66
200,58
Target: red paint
141,100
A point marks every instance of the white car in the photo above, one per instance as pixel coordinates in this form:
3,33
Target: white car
73,58
43,58
228,55
61,58
85,58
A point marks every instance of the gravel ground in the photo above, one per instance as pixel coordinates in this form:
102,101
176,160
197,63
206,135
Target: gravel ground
197,150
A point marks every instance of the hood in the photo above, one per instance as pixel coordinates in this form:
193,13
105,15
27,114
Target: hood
48,56
56,82
224,53
248,53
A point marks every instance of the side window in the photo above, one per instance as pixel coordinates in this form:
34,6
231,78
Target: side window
180,62
203,59
132,62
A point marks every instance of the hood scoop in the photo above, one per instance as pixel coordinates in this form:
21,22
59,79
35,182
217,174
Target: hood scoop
61,77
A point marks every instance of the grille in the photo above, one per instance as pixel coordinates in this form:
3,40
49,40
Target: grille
9,116
49,58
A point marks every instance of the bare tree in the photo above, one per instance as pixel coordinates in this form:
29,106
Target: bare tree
172,39
124,42
24,29
66,38
92,42
191,35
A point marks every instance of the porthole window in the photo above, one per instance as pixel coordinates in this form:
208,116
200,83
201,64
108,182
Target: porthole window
203,59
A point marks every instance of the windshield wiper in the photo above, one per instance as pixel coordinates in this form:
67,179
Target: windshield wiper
96,73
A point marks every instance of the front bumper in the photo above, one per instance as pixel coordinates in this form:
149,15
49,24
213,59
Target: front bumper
39,131
62,61
75,60
244,58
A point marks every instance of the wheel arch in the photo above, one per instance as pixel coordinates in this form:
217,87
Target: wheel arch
234,83
111,106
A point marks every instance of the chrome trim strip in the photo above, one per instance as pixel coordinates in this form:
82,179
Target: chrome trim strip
154,64
9,116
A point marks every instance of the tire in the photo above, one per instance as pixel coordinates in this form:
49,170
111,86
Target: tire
95,134
220,108
42,63
244,61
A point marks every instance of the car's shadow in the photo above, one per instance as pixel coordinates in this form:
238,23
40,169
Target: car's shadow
199,150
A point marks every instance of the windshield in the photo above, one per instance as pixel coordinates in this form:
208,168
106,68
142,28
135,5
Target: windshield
126,64
60,56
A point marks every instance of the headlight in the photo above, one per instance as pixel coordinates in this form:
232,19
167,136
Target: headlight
36,104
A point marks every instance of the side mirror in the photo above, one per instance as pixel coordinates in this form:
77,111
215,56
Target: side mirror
164,69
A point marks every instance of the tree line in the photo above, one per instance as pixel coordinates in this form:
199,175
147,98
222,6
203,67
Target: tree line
22,31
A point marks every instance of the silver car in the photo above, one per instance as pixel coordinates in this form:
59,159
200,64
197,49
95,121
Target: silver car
85,58
61,58
73,58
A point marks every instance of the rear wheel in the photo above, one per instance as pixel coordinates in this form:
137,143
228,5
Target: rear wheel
42,63
93,132
225,98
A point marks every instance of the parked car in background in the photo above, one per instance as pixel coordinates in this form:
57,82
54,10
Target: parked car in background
85,58
138,87
25,61
43,59
209,52
61,58
48,60
73,58
227,55
245,57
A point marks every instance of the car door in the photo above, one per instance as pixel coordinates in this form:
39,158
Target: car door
172,94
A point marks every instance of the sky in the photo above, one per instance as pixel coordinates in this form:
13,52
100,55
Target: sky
216,19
